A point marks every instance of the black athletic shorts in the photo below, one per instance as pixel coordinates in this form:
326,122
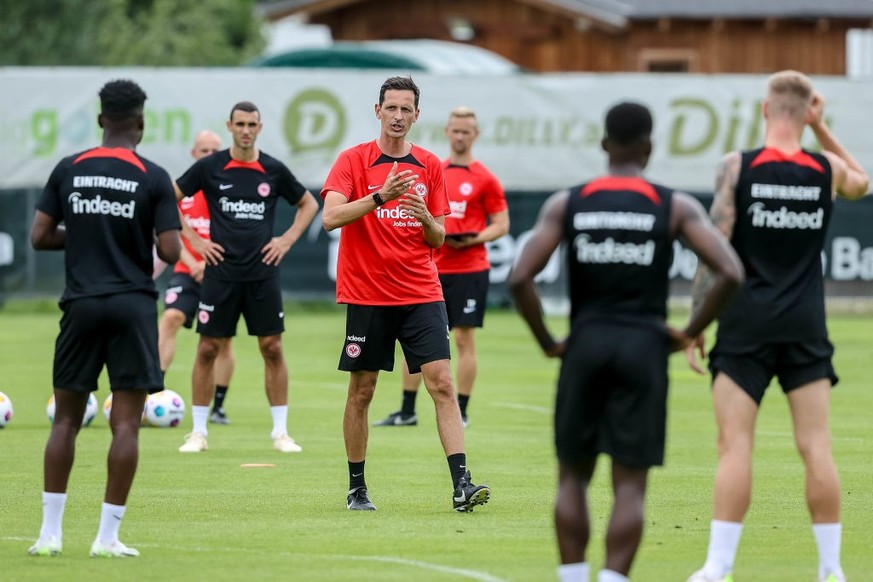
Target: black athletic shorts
222,302
612,395
466,295
371,330
183,293
752,366
118,331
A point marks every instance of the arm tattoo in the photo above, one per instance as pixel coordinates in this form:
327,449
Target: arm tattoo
723,213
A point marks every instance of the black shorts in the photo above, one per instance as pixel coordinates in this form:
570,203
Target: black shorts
612,395
466,296
222,302
752,366
183,293
371,330
118,331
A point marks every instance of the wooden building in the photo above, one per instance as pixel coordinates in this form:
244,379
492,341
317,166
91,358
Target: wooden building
704,36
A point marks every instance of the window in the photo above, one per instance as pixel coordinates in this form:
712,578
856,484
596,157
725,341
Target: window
668,61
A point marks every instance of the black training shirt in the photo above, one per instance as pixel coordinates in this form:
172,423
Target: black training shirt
242,204
112,202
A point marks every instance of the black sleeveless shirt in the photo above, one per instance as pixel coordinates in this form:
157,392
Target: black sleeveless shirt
783,206
617,231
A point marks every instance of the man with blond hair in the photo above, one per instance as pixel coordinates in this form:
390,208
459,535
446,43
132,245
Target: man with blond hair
774,204
478,215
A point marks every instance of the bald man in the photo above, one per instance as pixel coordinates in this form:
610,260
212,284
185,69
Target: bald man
183,293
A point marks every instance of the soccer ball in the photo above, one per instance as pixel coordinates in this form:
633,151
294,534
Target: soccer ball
107,409
91,409
165,408
5,410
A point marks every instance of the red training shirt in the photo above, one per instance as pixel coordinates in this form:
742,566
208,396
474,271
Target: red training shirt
383,257
474,193
196,214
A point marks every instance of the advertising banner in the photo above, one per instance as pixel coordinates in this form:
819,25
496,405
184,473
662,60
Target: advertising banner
538,132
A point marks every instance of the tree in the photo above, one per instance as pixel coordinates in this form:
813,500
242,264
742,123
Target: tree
129,32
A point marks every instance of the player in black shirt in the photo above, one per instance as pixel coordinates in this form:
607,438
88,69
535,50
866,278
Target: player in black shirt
612,388
774,204
112,203
242,186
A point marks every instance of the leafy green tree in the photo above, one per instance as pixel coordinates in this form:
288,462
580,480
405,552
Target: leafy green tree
129,32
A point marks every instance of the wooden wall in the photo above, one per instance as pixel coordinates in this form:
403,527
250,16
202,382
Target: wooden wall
544,40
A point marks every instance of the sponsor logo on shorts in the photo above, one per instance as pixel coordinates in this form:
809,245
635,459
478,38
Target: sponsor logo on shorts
356,338
353,350
203,307
264,189
281,314
471,306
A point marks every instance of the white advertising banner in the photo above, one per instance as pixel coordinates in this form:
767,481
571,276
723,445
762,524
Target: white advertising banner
538,132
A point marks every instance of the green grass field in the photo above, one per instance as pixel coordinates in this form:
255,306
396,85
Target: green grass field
204,517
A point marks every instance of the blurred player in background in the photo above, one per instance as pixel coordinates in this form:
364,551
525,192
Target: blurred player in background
774,204
183,291
612,388
112,203
389,197
479,215
242,185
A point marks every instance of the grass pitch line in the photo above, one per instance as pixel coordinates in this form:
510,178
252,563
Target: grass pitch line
528,407
471,574
463,572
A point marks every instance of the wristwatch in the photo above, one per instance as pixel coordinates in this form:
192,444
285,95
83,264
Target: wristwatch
377,198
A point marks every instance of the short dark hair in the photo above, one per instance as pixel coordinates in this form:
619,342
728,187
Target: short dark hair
121,99
627,123
246,106
399,84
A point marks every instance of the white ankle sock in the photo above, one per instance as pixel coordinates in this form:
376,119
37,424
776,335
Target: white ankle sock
724,538
52,514
280,420
110,521
200,414
828,538
611,576
577,572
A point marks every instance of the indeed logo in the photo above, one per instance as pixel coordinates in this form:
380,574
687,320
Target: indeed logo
228,205
356,338
610,251
395,213
198,223
784,218
459,209
98,205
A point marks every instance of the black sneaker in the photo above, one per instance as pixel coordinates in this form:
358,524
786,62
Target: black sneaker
218,416
358,500
467,496
398,419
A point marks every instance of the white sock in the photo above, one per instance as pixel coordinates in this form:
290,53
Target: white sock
110,521
828,538
280,420
577,572
200,414
724,538
52,514
611,576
